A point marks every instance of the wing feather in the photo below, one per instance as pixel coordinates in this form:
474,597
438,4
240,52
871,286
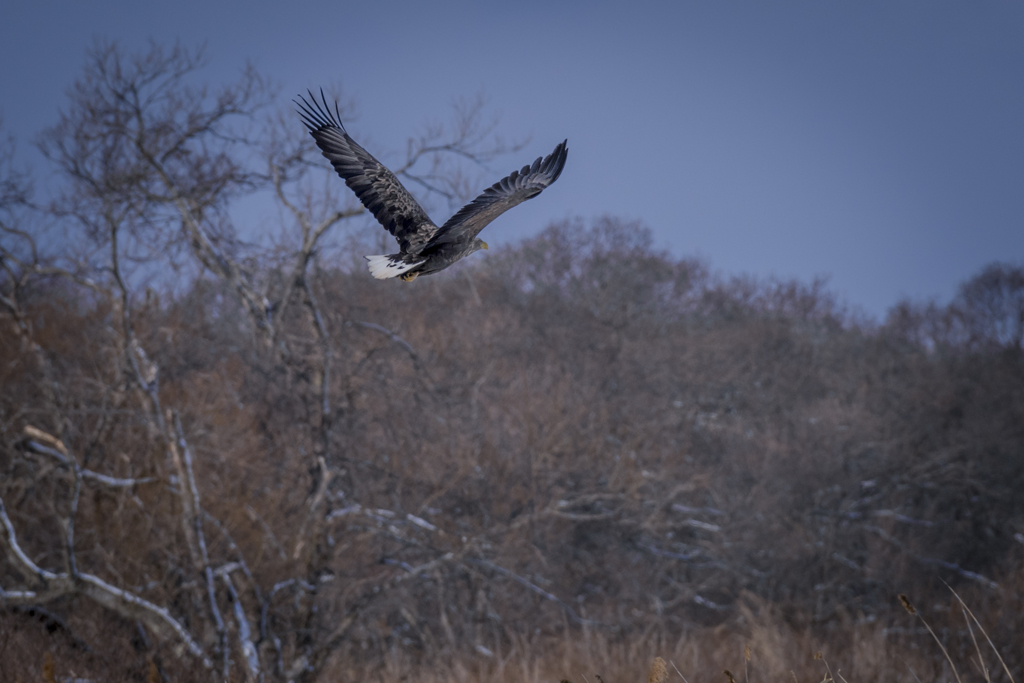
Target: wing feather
513,189
376,187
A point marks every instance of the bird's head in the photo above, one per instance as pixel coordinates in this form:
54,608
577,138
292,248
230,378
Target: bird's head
479,244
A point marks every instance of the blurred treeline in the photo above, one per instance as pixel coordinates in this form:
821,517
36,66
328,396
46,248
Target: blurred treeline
577,441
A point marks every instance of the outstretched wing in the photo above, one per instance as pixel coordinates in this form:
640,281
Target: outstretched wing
377,187
514,189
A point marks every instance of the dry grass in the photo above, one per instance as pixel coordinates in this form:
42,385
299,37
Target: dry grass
762,648
765,650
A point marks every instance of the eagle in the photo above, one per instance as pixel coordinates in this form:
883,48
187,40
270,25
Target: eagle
424,248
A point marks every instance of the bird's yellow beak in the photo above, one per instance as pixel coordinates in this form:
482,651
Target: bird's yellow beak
485,244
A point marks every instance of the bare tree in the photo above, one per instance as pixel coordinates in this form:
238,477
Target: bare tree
991,306
152,164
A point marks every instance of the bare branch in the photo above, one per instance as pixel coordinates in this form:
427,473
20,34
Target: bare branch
324,338
122,602
18,557
192,517
533,587
303,665
59,452
244,634
130,606
421,368
952,566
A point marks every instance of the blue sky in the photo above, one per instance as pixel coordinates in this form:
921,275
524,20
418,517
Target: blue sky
878,143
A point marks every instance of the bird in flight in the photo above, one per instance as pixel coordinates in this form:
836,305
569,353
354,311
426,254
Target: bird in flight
424,248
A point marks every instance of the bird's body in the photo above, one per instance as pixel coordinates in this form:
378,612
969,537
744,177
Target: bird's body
424,247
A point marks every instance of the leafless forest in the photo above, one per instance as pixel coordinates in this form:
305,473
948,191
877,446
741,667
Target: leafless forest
231,458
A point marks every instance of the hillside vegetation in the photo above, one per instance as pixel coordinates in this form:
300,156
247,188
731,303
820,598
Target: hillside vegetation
556,460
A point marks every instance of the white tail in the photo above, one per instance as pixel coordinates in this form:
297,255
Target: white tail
382,267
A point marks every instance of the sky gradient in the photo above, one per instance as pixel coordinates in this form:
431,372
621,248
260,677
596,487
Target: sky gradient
878,143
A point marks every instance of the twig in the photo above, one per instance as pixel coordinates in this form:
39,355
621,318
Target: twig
392,336
281,585
255,516
536,589
929,560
